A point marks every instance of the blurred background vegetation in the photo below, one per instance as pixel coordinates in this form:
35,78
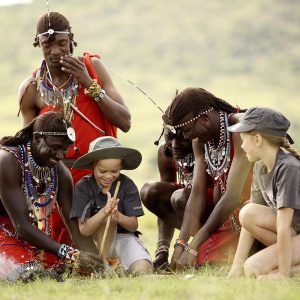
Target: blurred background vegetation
246,52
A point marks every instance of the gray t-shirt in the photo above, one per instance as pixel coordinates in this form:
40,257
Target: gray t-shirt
279,188
89,199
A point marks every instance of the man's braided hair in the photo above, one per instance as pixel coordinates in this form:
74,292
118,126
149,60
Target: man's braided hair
194,100
49,121
58,22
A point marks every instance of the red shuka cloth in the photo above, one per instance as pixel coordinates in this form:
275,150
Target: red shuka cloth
19,251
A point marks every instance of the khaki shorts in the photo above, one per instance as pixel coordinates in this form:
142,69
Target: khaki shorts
129,249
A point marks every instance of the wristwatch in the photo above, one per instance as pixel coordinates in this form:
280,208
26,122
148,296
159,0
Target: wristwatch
100,95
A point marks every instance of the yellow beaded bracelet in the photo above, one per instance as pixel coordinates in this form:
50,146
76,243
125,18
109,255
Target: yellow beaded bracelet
94,90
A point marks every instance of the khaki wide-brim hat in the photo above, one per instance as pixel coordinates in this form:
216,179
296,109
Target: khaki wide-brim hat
108,147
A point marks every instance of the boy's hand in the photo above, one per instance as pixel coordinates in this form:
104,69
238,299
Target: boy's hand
115,213
108,208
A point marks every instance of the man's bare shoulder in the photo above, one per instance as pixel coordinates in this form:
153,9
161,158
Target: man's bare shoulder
29,95
28,82
7,159
235,118
28,88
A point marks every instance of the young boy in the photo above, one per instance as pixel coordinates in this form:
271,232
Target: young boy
93,203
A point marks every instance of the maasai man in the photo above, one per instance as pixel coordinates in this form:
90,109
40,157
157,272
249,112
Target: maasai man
167,197
32,180
204,118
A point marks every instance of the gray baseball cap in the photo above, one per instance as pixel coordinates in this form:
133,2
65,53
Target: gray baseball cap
265,120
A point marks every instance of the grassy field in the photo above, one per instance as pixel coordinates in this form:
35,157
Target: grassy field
244,52
205,284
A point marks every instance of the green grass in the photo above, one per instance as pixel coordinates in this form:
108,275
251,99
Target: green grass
209,283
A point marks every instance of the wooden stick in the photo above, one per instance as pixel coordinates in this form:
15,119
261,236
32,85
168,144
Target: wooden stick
86,118
108,220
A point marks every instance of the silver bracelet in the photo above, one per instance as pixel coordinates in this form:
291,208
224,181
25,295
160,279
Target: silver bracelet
100,96
191,251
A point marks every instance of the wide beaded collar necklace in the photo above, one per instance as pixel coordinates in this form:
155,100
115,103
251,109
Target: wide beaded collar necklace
64,95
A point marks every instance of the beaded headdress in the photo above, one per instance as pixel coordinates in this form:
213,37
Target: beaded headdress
70,133
50,31
174,127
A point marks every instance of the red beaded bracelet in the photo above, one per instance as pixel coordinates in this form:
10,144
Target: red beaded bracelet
186,247
182,243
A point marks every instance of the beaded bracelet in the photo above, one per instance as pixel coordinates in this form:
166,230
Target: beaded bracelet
68,253
191,251
186,247
181,243
94,90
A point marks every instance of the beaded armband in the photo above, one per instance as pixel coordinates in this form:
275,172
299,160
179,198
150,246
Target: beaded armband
95,91
186,247
69,254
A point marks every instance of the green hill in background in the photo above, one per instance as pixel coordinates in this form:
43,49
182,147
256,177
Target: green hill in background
246,52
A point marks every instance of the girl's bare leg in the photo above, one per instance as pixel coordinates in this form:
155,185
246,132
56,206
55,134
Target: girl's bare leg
260,221
265,261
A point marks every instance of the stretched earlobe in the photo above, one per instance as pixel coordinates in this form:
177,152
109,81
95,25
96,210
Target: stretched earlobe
36,138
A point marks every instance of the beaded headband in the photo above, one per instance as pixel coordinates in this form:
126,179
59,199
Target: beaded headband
70,133
51,31
173,128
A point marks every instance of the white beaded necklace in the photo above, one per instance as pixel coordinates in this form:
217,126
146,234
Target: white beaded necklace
218,159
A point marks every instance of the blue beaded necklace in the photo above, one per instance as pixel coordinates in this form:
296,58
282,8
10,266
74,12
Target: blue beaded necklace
40,205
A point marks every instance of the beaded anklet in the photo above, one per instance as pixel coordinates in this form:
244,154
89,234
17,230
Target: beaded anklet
162,246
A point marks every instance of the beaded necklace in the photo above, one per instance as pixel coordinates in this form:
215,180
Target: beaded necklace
185,167
218,158
52,95
37,179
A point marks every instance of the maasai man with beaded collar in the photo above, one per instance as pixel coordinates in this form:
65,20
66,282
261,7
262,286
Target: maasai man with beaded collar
32,180
204,118
79,86
166,197
64,81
